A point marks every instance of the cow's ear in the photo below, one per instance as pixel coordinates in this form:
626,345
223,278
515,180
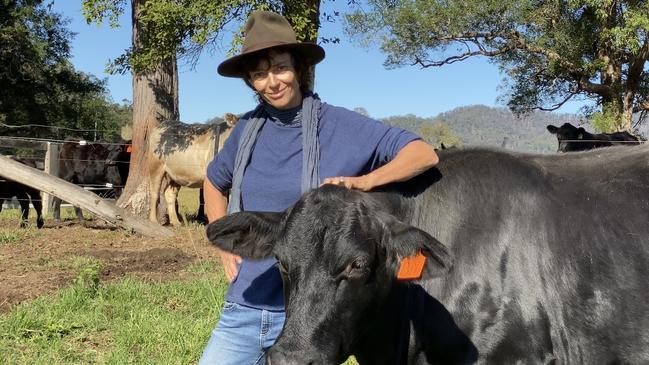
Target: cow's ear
405,241
246,234
552,129
580,133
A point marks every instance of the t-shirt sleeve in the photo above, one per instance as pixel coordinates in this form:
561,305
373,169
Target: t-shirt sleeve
392,141
220,169
386,140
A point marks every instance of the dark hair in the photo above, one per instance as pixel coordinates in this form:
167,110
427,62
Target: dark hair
302,68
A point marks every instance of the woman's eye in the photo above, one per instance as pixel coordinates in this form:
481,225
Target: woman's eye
258,75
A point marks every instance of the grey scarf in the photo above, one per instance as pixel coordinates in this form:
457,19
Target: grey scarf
310,148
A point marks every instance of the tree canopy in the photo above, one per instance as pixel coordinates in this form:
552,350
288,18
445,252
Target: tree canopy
186,28
553,51
39,84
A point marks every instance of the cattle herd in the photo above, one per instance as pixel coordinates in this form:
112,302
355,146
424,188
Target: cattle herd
529,259
177,151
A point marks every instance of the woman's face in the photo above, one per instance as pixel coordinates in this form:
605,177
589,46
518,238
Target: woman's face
277,81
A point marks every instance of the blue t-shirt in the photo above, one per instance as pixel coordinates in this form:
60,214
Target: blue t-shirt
350,145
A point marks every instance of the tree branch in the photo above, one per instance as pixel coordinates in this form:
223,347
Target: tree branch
636,68
465,39
641,107
556,106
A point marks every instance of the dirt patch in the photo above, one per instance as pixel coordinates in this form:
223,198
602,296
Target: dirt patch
156,260
38,262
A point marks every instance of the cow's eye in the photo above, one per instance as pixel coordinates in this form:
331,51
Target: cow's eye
357,268
357,264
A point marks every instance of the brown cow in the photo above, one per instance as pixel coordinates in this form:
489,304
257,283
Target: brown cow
181,152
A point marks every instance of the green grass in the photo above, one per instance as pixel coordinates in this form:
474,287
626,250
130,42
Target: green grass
14,215
16,235
12,236
124,322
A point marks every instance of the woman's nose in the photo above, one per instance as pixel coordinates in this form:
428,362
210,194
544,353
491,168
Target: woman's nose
272,79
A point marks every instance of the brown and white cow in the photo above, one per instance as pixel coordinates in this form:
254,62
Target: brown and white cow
181,152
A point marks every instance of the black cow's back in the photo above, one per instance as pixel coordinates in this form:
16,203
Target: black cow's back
552,257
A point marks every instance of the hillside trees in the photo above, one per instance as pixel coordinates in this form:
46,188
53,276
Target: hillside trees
38,84
553,51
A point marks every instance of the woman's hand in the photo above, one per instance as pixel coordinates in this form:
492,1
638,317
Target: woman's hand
362,183
230,264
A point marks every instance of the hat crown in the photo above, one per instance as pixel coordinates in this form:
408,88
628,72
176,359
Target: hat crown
265,28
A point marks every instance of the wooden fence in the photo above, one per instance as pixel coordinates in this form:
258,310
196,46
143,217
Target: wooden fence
48,183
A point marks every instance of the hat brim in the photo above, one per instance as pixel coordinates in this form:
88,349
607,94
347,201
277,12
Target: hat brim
311,53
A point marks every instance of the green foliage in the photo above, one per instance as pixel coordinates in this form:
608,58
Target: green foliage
605,122
185,28
552,51
98,10
438,134
39,84
88,278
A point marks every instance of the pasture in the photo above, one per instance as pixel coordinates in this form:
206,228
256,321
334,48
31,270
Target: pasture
93,294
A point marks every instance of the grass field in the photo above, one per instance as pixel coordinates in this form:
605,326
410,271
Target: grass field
74,294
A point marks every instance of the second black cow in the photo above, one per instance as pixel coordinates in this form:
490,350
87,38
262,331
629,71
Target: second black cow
24,194
530,260
573,139
93,164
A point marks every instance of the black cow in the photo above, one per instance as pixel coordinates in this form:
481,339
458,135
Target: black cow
94,163
572,139
24,194
530,260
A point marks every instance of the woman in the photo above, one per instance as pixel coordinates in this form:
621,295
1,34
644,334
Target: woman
289,144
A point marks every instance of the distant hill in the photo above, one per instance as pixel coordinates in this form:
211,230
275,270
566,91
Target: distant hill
479,125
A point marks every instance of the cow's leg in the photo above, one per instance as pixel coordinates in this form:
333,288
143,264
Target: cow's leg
155,179
56,207
171,196
79,214
37,202
200,216
23,200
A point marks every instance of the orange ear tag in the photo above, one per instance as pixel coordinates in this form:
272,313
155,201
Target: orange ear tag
412,267
129,149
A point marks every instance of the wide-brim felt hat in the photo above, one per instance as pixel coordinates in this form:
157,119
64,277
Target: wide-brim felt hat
264,30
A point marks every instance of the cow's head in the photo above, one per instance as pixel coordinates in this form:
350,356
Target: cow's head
118,157
569,136
338,252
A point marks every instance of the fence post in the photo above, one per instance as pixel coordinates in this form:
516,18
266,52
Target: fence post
52,168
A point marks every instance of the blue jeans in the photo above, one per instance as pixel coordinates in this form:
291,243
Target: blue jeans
242,336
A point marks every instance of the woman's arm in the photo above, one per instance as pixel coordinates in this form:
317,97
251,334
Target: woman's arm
413,159
216,207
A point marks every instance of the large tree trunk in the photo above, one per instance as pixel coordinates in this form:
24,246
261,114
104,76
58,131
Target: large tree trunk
155,98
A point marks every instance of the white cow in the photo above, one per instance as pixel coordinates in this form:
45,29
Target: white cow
181,152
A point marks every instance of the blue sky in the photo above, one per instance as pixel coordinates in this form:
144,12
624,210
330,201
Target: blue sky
349,76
